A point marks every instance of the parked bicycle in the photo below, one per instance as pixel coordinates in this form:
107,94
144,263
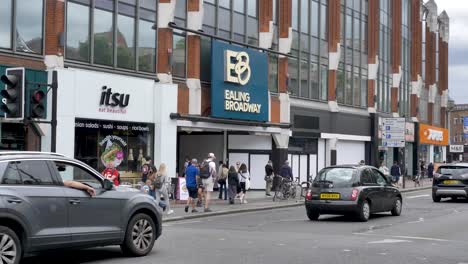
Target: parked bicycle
285,188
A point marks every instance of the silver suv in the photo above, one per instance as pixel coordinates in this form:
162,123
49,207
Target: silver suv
38,212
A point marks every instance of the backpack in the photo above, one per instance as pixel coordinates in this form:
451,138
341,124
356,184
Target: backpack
205,172
158,182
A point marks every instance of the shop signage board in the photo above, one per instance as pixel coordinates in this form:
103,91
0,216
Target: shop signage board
465,126
239,83
393,134
456,148
432,135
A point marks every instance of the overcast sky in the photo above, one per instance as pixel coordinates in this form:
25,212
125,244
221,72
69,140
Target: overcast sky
457,10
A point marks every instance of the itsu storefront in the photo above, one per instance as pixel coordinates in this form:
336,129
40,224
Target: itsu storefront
107,119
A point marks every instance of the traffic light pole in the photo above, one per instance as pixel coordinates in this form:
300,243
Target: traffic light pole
54,86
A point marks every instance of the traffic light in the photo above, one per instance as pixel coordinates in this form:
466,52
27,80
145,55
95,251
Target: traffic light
13,94
37,105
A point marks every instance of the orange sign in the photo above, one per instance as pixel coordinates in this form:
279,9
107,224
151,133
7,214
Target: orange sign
432,135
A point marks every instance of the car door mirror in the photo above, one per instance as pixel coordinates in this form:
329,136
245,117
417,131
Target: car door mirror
108,185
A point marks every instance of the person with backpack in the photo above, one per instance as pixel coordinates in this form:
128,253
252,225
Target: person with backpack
112,174
208,177
146,169
244,178
160,186
222,176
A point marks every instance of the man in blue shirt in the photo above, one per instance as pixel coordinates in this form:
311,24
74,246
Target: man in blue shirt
191,174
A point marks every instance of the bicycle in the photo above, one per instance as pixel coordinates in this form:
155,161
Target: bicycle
286,188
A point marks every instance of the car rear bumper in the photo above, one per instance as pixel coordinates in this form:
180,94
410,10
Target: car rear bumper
450,191
332,207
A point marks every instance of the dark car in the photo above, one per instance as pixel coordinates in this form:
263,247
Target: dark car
38,212
450,181
349,189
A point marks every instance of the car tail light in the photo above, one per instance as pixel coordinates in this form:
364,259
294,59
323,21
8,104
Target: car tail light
354,194
309,195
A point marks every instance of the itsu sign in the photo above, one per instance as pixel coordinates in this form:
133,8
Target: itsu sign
113,102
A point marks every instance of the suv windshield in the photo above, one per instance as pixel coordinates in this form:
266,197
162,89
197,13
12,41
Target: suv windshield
452,170
340,177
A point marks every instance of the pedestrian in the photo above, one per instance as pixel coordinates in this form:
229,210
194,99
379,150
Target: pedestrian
430,170
191,175
395,171
111,173
268,177
383,168
161,182
422,169
233,183
286,171
186,164
222,176
208,176
146,168
238,165
244,178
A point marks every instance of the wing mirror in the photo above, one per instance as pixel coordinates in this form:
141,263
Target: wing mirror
108,185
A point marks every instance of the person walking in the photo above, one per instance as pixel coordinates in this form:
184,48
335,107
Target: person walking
233,183
395,171
286,171
222,176
268,177
422,169
430,170
383,168
146,169
160,183
244,177
191,175
208,176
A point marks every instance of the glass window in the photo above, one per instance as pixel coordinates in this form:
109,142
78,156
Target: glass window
5,24
205,59
9,173
29,16
324,82
69,172
252,27
239,24
305,16
239,6
181,9
380,179
126,36
314,80
340,81
295,14
339,177
178,56
147,37
251,7
304,79
273,73
103,33
224,19
293,77
314,19
225,3
367,177
34,172
77,47
323,22
209,14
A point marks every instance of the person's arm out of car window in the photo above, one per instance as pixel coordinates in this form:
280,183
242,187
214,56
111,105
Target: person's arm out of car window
80,186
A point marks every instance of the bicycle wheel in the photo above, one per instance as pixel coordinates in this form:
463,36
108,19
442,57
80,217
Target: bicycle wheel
293,192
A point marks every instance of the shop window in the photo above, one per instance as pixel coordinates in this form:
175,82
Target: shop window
27,31
77,47
178,56
125,145
104,33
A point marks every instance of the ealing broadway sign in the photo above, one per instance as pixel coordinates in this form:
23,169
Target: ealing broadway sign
239,83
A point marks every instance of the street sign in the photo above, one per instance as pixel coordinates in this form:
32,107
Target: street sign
456,148
393,133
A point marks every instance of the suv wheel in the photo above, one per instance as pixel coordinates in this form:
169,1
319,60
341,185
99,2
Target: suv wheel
364,211
140,236
436,198
10,246
396,211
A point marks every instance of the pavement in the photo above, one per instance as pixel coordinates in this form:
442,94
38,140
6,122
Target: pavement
426,232
257,201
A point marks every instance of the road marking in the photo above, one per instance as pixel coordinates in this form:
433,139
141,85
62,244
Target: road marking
417,196
388,241
418,221
347,250
407,237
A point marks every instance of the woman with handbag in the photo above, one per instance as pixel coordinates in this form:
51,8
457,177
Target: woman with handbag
233,182
244,179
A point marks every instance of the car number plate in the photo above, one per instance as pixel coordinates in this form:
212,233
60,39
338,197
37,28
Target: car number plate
451,182
330,196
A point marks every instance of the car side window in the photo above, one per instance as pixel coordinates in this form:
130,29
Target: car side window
71,172
379,178
35,172
9,173
367,177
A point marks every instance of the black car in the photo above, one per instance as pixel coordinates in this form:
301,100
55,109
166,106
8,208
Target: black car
450,181
352,189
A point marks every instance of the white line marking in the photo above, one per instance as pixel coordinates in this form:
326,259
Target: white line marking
347,250
417,196
418,221
407,237
388,241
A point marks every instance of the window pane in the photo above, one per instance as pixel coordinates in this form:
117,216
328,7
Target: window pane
239,6
252,27
356,88
35,172
273,73
305,16
225,3
314,81
148,4
5,24
209,15
77,32
178,67
323,21
239,24
304,77
295,14
293,77
363,91
323,82
29,26
9,173
252,7
126,40
103,37
314,19
224,19
146,47
340,83
205,59
181,7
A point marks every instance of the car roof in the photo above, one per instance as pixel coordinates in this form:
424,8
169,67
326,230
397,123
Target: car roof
351,166
9,155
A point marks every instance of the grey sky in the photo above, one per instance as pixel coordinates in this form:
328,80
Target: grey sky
457,10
